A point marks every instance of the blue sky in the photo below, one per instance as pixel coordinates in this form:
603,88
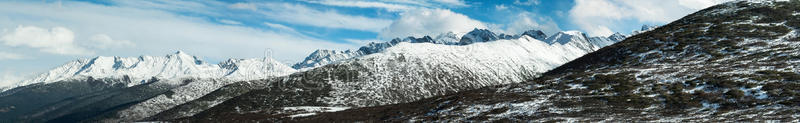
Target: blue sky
41,34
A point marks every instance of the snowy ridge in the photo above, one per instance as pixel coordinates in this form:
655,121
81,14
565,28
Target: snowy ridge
323,57
535,34
173,66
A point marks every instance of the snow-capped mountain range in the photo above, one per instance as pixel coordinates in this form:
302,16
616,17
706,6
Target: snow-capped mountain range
181,65
399,71
416,67
323,57
173,66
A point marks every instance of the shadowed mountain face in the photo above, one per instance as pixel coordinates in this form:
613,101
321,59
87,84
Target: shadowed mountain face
736,61
73,101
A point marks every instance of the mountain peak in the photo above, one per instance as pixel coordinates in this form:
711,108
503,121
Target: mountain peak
565,37
536,34
617,37
478,35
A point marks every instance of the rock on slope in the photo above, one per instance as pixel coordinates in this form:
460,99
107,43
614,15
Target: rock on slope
736,61
401,73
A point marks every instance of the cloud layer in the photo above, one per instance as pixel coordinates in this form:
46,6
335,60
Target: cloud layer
10,56
431,22
304,15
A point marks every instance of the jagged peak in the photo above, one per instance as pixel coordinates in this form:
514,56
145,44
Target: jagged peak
565,37
172,66
479,31
617,36
478,35
536,34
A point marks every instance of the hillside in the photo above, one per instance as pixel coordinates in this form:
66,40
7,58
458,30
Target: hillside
736,61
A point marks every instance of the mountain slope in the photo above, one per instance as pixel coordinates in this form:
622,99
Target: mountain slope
173,66
401,73
732,62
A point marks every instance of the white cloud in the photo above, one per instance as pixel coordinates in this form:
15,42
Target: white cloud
10,56
103,41
432,22
527,21
597,16
527,2
247,6
231,22
430,3
280,27
304,15
452,2
57,40
365,4
392,5
500,7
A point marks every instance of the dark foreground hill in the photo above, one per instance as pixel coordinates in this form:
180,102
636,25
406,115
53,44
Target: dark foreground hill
736,61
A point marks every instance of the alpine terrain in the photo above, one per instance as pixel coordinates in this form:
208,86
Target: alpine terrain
737,61
117,89
401,70
437,61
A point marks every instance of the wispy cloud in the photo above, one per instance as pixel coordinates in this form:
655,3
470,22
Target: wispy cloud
525,21
247,6
365,4
393,5
103,41
430,22
457,3
231,22
527,2
304,15
280,27
10,56
500,7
